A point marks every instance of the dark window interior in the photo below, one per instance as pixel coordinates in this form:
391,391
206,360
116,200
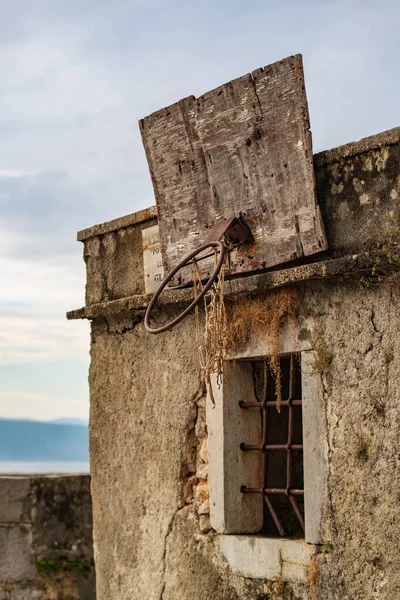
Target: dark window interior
281,477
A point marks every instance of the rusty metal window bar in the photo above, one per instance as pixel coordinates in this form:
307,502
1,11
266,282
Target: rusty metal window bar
281,447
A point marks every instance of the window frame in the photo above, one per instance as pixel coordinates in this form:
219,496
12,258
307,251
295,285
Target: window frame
265,405
231,511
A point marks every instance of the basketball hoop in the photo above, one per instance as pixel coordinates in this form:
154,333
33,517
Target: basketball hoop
217,245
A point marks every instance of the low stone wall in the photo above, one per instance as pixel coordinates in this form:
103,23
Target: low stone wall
46,550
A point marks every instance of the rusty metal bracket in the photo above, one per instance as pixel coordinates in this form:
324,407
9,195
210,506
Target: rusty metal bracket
234,230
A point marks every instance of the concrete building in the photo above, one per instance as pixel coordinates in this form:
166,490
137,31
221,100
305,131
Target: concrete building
296,498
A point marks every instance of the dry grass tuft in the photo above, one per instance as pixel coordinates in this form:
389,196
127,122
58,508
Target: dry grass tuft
211,341
263,316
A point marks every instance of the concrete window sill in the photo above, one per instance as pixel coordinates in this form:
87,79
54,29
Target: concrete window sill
259,557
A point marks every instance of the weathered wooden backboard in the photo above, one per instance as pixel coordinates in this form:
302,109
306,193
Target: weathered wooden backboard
242,149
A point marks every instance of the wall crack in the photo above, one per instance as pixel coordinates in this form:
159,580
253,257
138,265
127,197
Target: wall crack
164,556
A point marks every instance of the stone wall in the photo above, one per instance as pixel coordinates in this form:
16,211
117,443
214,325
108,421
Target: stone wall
153,537
113,254
357,186
46,548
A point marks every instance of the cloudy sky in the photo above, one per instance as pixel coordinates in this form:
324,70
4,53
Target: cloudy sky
75,77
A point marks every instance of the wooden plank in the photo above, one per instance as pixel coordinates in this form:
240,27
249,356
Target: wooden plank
243,148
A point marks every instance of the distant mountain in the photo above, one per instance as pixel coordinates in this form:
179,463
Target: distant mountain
43,441
81,422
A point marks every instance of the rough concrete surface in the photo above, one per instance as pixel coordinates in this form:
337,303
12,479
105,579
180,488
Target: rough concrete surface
152,532
16,555
113,262
361,395
356,192
139,437
26,593
121,223
61,512
13,499
46,538
144,390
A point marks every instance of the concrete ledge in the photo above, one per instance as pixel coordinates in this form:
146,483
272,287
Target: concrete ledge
120,223
259,557
385,138
254,283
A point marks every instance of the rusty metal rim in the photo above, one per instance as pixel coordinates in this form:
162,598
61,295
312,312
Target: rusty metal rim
213,244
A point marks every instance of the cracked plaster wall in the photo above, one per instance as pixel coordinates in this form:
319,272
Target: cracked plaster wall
149,463
148,433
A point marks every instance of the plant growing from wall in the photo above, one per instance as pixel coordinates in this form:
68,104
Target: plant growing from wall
47,565
50,565
326,548
388,356
227,329
323,361
388,264
363,449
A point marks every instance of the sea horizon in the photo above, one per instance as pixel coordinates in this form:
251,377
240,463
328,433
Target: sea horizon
42,467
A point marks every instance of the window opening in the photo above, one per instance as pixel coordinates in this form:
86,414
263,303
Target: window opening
281,447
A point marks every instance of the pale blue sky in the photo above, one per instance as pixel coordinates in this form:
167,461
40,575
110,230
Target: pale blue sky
76,76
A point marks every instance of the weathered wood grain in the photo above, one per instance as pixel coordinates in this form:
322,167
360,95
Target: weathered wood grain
243,148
